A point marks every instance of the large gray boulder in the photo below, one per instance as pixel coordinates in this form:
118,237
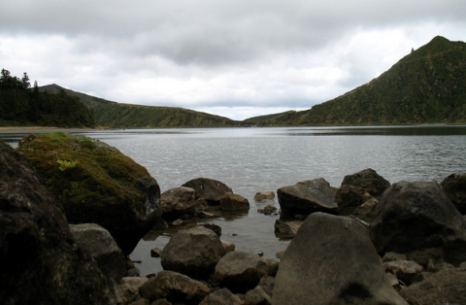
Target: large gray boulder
415,216
40,262
193,252
331,260
357,188
98,242
307,197
240,271
455,188
209,189
175,288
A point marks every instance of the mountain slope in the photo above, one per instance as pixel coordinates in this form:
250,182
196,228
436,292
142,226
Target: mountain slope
426,86
117,115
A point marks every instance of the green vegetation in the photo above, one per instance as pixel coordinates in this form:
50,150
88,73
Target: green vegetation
425,87
65,164
21,105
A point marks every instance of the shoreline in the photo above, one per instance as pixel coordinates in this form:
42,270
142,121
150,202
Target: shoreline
42,129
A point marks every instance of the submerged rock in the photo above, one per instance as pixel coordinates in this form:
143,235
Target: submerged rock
40,262
307,197
96,183
209,189
264,196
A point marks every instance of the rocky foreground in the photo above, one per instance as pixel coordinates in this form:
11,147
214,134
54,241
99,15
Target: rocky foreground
67,229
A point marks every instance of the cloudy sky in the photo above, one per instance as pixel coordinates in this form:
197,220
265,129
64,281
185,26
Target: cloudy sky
232,58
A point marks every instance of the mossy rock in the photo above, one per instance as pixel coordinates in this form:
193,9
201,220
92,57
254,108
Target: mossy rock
96,183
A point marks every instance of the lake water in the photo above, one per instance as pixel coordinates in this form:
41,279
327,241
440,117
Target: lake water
251,160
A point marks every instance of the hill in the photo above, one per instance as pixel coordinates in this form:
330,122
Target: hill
117,115
426,86
21,105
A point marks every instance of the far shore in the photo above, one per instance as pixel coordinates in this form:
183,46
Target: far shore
42,129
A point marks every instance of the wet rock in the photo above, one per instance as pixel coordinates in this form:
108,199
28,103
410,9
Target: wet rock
287,229
175,287
417,216
178,202
209,189
194,252
332,260
444,287
39,259
233,202
257,296
221,297
264,196
358,188
307,197
240,271
405,270
103,186
268,210
102,247
130,287
455,188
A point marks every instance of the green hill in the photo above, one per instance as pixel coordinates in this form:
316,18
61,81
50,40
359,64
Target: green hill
426,86
117,115
21,105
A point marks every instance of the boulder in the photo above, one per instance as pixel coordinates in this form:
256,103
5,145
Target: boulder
96,183
102,247
178,202
40,261
130,287
194,252
240,271
221,297
366,210
175,288
405,270
209,189
257,296
264,196
357,188
455,188
307,197
443,287
233,202
416,216
332,260
287,229
268,210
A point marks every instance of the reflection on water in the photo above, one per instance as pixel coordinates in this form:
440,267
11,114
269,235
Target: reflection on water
251,160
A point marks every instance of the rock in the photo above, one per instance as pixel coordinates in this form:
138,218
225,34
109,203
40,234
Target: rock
130,287
357,188
287,229
444,287
228,246
221,297
415,216
104,186
233,202
365,210
405,270
257,296
161,302
214,227
209,189
273,266
267,283
177,222
193,252
392,256
40,262
155,252
280,254
240,271
178,202
266,196
307,197
174,287
332,260
268,210
141,302
102,247
133,272
455,188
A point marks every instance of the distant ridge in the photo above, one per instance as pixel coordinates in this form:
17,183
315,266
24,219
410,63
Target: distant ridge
425,87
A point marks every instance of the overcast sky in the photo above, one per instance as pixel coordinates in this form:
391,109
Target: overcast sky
232,58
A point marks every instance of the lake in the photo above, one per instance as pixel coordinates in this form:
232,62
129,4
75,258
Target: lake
251,160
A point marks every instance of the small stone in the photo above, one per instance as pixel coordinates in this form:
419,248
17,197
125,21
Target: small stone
264,196
133,272
177,222
228,246
155,252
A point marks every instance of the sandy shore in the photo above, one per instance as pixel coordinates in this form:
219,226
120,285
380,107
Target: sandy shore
41,129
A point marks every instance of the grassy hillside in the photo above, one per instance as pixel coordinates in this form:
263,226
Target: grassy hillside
117,115
426,86
21,105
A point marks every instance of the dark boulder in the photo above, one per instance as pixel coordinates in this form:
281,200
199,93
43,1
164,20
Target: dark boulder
193,252
416,216
40,262
455,188
307,197
233,202
358,188
332,260
209,189
96,183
